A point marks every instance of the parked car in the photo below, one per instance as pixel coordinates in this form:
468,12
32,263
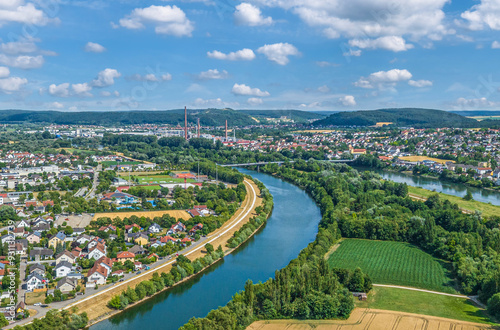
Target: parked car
37,304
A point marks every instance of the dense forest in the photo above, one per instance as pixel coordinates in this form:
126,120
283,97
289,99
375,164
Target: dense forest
407,117
208,117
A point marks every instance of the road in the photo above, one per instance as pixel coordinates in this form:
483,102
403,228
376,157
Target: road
422,290
91,193
423,199
130,278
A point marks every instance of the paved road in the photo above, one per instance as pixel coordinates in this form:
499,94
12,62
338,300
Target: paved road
196,246
91,193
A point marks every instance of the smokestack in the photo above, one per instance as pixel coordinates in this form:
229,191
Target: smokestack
185,123
198,127
226,130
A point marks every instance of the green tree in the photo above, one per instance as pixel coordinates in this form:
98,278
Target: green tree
468,196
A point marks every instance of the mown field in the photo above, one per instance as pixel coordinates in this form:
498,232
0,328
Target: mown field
424,303
485,208
158,179
394,263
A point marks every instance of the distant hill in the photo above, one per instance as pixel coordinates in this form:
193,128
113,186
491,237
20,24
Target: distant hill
208,117
409,117
477,113
296,115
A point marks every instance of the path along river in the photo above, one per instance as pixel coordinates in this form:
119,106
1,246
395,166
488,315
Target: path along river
292,225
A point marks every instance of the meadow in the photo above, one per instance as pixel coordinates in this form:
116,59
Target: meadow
394,263
159,179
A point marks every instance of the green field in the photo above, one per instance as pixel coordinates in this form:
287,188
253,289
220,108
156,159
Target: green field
112,162
424,303
159,179
394,263
484,208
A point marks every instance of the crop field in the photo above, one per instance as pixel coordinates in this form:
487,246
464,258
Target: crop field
422,158
394,263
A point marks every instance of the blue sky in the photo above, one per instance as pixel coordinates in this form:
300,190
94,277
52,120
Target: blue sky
260,54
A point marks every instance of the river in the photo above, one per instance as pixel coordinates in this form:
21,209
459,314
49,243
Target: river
450,188
292,225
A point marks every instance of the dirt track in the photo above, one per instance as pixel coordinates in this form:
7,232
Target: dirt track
364,318
95,305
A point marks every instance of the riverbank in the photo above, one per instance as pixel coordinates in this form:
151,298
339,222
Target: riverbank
468,206
96,306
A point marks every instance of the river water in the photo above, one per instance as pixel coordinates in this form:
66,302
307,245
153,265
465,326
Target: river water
292,225
450,188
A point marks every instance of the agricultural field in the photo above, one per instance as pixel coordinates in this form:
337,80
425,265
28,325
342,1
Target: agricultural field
485,208
364,318
424,303
394,263
422,158
178,214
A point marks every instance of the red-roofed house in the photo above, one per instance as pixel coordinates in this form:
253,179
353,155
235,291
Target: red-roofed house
124,256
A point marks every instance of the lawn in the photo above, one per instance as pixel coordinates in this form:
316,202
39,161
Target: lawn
485,208
422,158
107,163
159,179
394,263
424,303
34,297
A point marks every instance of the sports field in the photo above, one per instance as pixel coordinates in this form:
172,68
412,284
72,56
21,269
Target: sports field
159,179
394,263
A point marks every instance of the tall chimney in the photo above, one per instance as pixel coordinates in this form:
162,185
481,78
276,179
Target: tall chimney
198,127
185,123
226,130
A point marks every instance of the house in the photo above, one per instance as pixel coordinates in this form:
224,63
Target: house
39,253
119,273
137,265
21,249
67,284
37,268
142,239
97,252
59,238
166,239
20,307
94,242
65,256
76,252
97,275
19,231
82,239
154,228
63,268
34,238
124,256
23,223
137,249
41,227
129,228
153,255
193,230
6,238
106,263
178,227
107,228
75,275
35,281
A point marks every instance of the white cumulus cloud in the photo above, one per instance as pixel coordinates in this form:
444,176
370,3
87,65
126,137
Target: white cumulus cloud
93,47
213,74
248,14
244,54
82,89
247,90
255,101
392,43
484,14
420,83
347,100
169,20
20,11
383,79
495,45
61,90
279,52
22,61
105,78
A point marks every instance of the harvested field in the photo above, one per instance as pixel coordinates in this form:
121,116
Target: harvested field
365,318
148,214
422,158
